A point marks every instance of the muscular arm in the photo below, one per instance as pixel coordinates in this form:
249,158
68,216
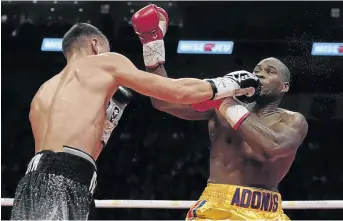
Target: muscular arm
280,140
181,91
183,111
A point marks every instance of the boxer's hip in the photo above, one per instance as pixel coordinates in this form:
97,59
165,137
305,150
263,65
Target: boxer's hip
72,164
57,185
221,201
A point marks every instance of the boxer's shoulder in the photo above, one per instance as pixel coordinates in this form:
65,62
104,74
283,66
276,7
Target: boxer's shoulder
48,88
295,121
109,63
101,58
291,116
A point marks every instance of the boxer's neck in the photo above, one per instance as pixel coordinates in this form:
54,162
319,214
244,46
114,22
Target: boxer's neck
77,55
266,109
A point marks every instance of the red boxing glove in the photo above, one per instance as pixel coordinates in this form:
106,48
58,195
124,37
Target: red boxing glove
150,24
207,105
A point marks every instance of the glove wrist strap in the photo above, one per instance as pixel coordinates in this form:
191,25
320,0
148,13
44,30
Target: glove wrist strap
154,53
223,87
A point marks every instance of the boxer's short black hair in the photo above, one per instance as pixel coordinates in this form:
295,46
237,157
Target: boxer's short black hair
77,34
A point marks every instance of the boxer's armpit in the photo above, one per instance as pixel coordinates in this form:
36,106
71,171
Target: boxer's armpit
279,141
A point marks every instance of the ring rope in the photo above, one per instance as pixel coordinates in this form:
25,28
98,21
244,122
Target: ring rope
169,204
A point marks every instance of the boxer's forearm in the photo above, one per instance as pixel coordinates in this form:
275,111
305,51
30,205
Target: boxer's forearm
271,142
183,90
282,140
158,104
258,136
179,91
183,111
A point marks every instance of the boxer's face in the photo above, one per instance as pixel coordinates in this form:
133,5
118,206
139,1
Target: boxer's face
271,78
100,45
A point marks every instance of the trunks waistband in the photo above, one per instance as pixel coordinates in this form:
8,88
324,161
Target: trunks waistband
245,197
73,164
80,153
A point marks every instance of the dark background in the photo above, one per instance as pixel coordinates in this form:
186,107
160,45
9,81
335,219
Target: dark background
153,155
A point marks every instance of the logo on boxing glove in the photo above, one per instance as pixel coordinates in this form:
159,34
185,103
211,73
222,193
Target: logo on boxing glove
115,113
240,76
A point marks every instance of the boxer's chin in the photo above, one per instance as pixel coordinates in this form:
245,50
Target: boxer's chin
264,93
264,98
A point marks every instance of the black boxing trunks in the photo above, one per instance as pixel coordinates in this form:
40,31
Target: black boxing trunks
56,186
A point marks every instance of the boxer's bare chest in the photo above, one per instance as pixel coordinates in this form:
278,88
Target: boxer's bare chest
231,158
220,129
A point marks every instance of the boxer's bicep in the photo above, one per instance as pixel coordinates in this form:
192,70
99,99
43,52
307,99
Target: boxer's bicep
290,135
293,132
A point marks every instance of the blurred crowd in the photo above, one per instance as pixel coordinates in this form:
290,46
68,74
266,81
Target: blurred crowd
152,155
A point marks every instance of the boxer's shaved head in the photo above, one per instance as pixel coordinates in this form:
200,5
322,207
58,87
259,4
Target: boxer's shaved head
274,76
83,36
281,67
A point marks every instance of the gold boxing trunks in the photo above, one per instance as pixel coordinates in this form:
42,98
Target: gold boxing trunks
222,201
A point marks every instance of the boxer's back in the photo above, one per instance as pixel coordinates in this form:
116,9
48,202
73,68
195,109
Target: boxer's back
69,109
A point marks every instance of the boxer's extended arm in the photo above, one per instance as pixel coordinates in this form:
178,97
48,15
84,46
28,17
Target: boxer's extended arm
181,91
123,72
183,111
279,140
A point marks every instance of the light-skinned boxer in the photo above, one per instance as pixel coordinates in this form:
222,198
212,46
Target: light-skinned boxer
73,114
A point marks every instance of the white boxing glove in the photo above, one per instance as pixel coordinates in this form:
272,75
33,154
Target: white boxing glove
229,85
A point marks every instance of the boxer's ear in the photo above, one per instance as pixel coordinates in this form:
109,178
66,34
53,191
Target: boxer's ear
95,46
285,87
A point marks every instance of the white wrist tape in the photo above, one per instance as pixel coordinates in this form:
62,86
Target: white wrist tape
225,87
234,113
163,27
154,53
